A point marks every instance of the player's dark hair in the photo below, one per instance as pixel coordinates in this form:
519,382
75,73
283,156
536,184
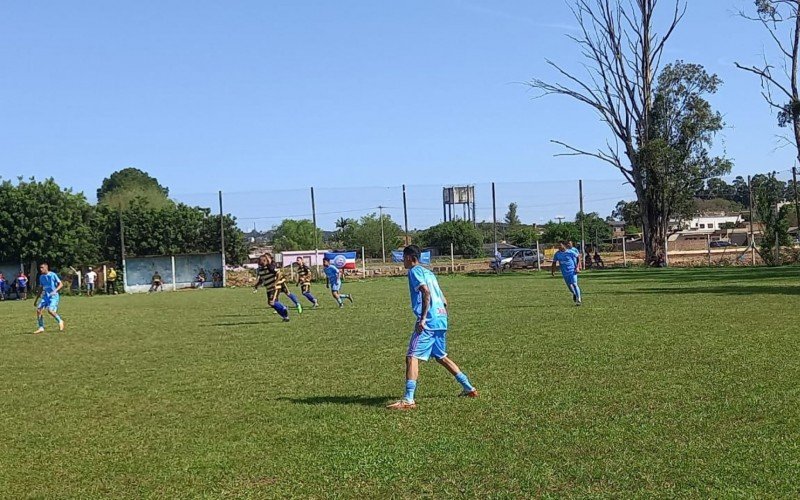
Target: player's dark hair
563,242
412,251
325,259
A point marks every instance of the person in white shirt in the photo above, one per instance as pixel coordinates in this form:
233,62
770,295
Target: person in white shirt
91,278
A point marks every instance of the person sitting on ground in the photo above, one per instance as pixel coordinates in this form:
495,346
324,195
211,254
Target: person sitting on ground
156,283
200,279
598,261
216,279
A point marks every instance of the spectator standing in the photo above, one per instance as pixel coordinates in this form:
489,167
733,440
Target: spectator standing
91,280
111,281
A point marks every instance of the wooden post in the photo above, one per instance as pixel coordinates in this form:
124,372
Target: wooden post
708,248
538,257
752,233
452,259
624,253
222,240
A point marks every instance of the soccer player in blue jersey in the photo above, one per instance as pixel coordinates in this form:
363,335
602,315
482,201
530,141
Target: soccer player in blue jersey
334,276
430,332
49,286
568,262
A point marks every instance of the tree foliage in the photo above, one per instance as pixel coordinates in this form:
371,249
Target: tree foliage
554,232
122,188
511,218
595,228
40,222
366,232
467,240
769,193
523,236
296,235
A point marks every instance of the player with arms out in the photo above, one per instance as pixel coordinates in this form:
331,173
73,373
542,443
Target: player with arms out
49,286
334,275
304,281
568,262
269,277
430,332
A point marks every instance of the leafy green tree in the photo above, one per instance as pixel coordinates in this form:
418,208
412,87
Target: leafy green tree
716,205
629,213
512,219
524,236
296,235
769,193
595,228
660,120
169,230
121,188
554,232
467,240
41,222
367,233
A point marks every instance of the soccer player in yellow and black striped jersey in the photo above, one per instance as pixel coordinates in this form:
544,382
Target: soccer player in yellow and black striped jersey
304,280
269,276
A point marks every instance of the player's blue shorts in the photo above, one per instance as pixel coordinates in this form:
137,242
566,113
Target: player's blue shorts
428,343
335,287
49,302
570,278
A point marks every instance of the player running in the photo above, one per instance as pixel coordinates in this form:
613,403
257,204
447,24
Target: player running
334,275
304,281
270,278
568,262
430,332
49,286
571,248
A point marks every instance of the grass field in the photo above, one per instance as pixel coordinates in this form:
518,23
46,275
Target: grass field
665,383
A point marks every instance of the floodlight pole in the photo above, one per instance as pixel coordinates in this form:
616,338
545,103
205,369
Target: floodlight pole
316,235
494,216
222,241
383,240
583,231
405,214
796,202
752,234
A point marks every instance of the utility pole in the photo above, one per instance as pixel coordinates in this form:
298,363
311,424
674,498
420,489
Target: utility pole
383,240
796,202
752,234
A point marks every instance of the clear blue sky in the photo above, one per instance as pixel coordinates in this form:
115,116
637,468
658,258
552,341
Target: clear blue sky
237,95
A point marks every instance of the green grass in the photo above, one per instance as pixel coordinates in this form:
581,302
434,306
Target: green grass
666,383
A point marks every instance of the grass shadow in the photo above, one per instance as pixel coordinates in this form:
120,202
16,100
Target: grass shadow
374,401
716,290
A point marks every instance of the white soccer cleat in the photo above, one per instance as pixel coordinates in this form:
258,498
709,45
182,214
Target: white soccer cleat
40,330
61,326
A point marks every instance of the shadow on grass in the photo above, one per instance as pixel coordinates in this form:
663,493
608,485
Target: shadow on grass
684,275
380,401
716,290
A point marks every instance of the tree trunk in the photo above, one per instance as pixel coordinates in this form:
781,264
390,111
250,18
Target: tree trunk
654,224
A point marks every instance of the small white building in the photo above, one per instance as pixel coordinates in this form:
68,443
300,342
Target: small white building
710,223
311,257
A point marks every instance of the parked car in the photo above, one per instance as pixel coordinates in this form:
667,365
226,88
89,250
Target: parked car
525,257
722,244
505,260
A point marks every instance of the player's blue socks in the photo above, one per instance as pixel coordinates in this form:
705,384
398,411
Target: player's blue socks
57,318
464,381
577,292
293,298
310,297
40,319
284,313
411,387
340,301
